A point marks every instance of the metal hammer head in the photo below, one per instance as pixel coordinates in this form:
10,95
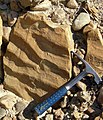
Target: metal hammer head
89,69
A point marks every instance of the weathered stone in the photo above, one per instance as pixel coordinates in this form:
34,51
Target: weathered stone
45,5
12,18
37,60
6,33
49,117
76,70
2,112
7,101
58,16
100,97
94,54
58,114
81,85
83,107
84,96
81,20
49,110
77,114
19,106
72,4
90,110
7,118
27,3
64,102
3,6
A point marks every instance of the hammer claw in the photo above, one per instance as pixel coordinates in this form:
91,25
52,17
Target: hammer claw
89,69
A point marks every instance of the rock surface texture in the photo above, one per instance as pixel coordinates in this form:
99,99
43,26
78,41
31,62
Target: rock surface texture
37,60
94,54
36,37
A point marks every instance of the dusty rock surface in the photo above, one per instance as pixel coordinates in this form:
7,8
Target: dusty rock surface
42,60
36,37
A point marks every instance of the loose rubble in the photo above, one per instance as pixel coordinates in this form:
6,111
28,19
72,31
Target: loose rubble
36,37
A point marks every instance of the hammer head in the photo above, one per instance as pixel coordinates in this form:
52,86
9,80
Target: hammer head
89,69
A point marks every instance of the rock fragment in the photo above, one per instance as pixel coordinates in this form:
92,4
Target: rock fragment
81,85
81,20
63,104
3,6
7,118
49,117
94,54
58,114
45,5
72,4
19,106
84,96
2,113
7,101
58,16
77,114
6,33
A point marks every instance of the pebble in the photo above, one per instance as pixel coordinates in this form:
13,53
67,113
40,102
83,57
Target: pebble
49,117
84,96
63,104
45,5
90,110
3,6
76,70
81,85
72,4
7,118
77,114
7,101
2,112
59,114
68,93
49,110
81,20
59,15
84,106
19,106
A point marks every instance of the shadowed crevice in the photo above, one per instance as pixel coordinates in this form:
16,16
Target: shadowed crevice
27,49
50,47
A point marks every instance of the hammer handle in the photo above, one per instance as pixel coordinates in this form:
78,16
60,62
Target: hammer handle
42,107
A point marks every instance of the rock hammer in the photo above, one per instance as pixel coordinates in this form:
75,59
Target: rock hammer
42,107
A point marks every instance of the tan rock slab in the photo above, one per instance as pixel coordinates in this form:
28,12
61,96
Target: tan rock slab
72,4
38,59
94,54
7,101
